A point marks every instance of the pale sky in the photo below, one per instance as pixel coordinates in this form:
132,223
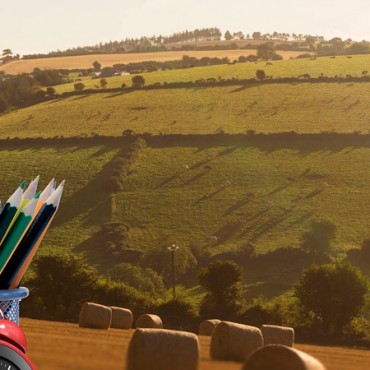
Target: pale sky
39,26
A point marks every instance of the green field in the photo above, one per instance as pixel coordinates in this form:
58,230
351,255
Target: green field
163,199
219,192
304,108
339,66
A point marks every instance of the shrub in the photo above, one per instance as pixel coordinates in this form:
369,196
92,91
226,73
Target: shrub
260,74
178,314
334,293
223,281
138,81
145,280
79,86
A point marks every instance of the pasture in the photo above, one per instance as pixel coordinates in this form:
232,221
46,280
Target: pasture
108,60
270,108
340,66
247,192
60,346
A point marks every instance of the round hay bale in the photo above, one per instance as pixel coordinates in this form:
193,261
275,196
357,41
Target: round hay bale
95,316
277,357
160,349
234,342
273,334
206,327
121,318
149,321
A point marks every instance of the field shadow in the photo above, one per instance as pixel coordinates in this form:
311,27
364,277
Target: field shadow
240,203
208,196
81,97
195,178
92,200
124,92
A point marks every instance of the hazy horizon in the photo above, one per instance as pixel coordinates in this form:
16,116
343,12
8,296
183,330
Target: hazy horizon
40,27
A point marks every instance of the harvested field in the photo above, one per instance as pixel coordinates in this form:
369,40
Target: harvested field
89,349
107,60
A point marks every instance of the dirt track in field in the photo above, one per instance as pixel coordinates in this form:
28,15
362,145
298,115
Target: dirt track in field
107,60
59,346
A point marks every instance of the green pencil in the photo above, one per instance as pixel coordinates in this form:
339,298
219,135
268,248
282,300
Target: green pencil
28,194
10,210
22,257
16,233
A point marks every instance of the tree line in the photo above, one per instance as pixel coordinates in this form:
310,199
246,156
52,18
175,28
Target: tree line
26,89
161,42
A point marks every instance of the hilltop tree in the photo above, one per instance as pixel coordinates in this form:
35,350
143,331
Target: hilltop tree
333,294
223,281
266,51
7,55
7,52
256,35
228,36
97,66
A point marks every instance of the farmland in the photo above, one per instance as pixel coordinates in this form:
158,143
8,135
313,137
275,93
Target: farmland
58,346
108,60
225,167
272,108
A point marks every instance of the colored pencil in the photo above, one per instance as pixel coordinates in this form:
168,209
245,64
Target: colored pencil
10,210
16,233
14,271
30,192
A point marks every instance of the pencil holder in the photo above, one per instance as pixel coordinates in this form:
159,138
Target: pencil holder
9,302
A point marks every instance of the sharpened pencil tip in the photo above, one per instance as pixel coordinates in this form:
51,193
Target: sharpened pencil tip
23,184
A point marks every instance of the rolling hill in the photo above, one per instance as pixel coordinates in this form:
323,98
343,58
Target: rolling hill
108,60
224,167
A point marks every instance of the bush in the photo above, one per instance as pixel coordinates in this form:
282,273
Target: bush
79,86
138,81
145,280
4,106
333,293
178,314
319,238
260,74
60,287
223,281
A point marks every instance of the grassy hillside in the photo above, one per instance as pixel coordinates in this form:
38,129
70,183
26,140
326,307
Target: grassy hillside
304,108
191,205
249,193
201,187
339,66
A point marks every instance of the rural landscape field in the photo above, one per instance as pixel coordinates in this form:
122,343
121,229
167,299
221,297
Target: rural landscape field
227,183
48,344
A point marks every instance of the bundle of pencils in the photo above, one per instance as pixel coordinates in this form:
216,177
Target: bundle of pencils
24,220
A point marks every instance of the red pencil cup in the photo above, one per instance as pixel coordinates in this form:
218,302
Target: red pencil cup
9,302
